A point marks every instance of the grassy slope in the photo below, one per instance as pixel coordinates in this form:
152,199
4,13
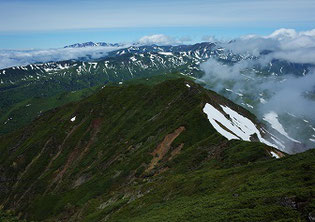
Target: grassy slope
21,105
41,97
22,113
106,152
8,216
263,191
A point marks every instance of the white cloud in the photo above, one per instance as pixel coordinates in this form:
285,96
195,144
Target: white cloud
289,95
281,94
283,33
286,44
302,55
309,33
161,39
209,38
158,39
217,71
185,39
9,58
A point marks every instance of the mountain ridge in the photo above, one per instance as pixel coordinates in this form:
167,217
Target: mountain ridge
148,145
92,44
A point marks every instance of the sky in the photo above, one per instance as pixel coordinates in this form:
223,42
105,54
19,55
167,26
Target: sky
33,24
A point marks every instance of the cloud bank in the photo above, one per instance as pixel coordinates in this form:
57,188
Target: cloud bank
283,44
9,58
291,95
285,94
161,39
282,94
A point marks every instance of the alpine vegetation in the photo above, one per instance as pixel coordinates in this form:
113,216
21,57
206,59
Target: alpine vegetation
156,111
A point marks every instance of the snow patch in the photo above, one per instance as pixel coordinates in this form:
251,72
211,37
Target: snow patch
272,118
216,117
166,53
235,126
273,154
291,114
262,100
250,106
133,59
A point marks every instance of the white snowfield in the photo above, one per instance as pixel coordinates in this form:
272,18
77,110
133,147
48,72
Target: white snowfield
166,53
272,118
237,127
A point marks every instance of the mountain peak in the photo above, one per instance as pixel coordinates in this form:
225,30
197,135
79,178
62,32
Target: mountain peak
92,44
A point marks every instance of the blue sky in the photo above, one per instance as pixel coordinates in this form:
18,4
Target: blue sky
55,23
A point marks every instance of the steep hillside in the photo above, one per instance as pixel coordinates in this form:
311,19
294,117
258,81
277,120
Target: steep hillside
151,152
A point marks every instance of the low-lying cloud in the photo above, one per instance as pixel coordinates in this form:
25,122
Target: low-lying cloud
291,95
283,44
9,58
209,38
161,39
285,94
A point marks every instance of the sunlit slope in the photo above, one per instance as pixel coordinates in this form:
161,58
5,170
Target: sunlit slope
148,152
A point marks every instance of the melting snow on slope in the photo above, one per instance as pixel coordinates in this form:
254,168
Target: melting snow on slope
216,117
250,106
272,118
273,154
237,127
165,53
133,59
262,100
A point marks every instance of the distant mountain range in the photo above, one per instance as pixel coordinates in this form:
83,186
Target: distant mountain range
92,44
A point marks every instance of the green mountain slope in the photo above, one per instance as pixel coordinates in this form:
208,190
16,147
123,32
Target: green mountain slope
26,99
147,152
